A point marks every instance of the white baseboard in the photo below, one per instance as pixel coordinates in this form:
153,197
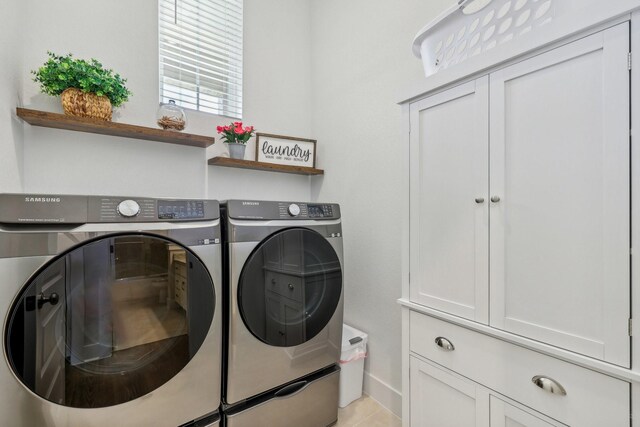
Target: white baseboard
382,392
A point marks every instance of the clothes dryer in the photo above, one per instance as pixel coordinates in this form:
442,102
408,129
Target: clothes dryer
285,301
111,311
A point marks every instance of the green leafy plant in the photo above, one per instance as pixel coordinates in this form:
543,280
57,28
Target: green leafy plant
63,72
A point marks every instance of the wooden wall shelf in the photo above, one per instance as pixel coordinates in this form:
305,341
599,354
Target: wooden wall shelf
83,124
250,164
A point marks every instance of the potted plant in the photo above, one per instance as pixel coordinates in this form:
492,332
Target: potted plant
86,88
236,138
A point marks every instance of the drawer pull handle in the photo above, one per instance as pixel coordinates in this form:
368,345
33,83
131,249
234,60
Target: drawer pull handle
444,344
549,384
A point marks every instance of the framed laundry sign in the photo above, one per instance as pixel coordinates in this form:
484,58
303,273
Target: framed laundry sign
285,150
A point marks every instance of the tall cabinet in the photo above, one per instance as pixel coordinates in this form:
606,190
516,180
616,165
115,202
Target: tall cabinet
518,303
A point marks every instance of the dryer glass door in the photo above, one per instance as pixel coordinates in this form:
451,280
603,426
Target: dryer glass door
290,287
110,320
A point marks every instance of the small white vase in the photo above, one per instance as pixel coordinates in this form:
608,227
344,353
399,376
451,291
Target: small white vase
236,151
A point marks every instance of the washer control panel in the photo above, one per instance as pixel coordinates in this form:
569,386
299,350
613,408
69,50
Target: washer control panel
320,211
180,209
122,209
257,209
77,209
128,208
294,209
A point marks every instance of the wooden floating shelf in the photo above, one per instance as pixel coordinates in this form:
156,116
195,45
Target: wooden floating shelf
85,124
261,166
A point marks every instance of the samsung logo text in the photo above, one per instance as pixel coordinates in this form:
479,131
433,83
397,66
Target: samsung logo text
42,199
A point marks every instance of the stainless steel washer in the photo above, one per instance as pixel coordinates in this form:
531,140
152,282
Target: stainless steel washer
112,311
285,303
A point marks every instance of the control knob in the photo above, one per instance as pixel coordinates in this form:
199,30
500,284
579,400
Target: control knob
294,210
128,208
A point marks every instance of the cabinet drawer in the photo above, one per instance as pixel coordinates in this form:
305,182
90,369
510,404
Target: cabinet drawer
286,285
592,399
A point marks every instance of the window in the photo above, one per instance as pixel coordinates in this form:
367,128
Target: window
201,55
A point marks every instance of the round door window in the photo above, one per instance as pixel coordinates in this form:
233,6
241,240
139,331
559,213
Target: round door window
290,287
110,321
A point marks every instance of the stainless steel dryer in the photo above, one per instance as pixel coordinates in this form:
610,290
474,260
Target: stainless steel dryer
111,311
285,305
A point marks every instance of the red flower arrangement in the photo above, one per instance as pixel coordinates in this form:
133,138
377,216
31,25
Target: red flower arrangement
235,133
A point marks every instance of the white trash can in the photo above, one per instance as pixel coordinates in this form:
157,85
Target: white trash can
354,351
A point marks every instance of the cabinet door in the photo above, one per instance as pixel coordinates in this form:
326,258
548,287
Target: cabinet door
449,213
443,399
559,244
505,415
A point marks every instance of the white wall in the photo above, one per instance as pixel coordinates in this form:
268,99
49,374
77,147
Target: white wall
277,96
342,91
362,60
276,99
11,135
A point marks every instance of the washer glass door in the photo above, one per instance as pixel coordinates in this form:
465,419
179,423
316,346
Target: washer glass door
109,321
290,287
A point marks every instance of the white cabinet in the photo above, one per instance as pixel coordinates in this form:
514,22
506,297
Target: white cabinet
520,216
504,414
559,241
180,283
590,399
449,209
284,302
443,399
520,198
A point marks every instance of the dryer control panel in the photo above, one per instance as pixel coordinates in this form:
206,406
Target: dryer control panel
267,210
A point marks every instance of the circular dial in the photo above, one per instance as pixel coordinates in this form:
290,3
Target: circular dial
294,210
128,208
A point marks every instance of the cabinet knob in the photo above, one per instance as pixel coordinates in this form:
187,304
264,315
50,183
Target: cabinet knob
444,344
549,384
495,199
479,200
291,286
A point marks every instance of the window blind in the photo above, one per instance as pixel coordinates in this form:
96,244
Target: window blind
201,55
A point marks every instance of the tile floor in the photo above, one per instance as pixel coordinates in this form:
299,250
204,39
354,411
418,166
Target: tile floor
366,412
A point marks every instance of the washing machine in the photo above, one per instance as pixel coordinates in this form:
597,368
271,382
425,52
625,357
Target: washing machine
111,311
285,301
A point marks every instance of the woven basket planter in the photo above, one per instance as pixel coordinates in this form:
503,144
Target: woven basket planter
82,104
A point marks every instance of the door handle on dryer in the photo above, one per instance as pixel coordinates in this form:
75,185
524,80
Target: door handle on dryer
51,299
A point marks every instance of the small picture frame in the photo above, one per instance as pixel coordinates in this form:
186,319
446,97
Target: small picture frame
285,150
